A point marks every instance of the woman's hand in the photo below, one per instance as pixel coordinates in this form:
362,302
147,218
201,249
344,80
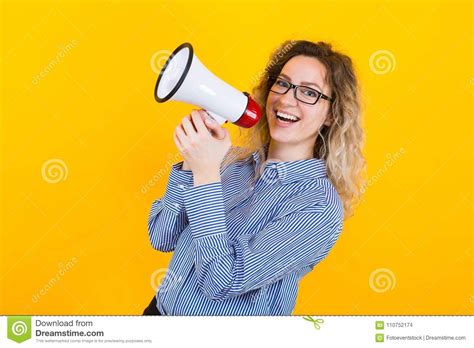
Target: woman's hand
203,143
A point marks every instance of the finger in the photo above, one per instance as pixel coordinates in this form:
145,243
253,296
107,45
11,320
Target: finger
205,115
177,142
197,118
189,128
225,134
215,127
182,137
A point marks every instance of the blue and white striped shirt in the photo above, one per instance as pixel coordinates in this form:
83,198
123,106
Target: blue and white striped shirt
241,245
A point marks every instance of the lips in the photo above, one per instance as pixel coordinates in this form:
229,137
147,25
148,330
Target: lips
285,117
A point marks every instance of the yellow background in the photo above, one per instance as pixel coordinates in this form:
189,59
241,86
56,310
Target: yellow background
77,85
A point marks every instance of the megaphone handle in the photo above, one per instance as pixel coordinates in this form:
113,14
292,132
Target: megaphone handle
219,119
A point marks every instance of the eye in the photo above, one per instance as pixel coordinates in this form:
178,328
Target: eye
282,83
309,92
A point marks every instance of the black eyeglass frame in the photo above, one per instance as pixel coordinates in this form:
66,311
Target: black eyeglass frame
295,87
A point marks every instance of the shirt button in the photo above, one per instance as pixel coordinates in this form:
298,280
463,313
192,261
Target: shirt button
176,205
274,166
181,186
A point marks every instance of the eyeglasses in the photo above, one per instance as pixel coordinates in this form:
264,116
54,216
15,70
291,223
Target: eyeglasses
304,94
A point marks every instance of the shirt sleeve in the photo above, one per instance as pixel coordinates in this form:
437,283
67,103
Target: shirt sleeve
228,268
167,216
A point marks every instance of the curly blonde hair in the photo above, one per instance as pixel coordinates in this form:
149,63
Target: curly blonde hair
339,144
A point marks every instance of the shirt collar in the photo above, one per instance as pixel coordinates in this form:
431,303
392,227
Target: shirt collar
290,171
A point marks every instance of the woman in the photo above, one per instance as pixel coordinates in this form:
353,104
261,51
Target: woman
246,226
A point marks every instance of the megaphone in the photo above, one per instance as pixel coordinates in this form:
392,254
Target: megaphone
184,78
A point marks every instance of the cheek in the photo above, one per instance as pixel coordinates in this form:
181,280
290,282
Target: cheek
271,99
312,121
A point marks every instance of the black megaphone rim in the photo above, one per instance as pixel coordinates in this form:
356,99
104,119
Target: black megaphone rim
183,76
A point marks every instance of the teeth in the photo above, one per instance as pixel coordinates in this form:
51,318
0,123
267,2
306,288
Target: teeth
287,116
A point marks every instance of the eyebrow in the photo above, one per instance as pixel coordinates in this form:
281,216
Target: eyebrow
304,83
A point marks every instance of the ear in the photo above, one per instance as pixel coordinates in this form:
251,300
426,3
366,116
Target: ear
329,119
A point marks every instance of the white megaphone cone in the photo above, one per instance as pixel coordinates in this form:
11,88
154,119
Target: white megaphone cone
185,78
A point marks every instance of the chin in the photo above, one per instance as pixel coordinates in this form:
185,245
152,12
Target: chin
282,138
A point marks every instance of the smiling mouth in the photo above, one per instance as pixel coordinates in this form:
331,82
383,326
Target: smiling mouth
287,118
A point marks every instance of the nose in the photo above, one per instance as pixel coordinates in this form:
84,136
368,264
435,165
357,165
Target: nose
289,98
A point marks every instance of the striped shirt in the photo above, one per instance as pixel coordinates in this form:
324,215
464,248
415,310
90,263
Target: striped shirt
242,245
